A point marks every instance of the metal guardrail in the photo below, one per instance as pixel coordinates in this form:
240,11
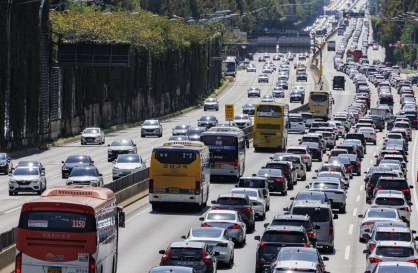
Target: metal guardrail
127,181
8,238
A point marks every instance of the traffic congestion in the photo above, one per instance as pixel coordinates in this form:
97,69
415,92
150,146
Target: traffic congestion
308,191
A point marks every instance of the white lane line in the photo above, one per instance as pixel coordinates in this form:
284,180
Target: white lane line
358,198
237,102
107,175
144,146
142,212
350,230
371,161
355,212
361,187
347,252
374,154
12,210
413,177
377,147
235,83
84,152
55,176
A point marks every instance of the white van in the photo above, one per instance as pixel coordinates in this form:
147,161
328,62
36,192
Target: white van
396,69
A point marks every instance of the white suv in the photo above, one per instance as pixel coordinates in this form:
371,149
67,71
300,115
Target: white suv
296,123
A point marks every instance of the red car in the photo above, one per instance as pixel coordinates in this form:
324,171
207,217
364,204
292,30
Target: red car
276,58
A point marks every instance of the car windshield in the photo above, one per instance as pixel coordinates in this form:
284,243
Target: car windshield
394,251
77,159
241,117
251,183
296,151
128,159
316,214
270,173
91,131
83,172
248,105
382,213
325,174
291,222
401,125
2,156
150,122
26,171
221,216
310,196
291,159
183,253
298,256
194,132
211,100
206,232
393,185
207,118
395,268
124,142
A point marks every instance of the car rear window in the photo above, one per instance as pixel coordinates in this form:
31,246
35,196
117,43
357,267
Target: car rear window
281,222
232,201
296,151
375,176
310,139
291,159
392,236
221,216
394,251
283,237
336,153
277,166
181,253
381,214
389,201
295,119
324,185
392,184
252,183
316,214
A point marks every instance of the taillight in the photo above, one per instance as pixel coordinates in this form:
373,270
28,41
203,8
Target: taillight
261,244
235,226
357,164
92,265
367,224
214,207
245,209
264,192
413,261
378,189
331,228
353,152
372,246
405,208
205,225
305,157
205,259
369,186
279,180
197,188
379,158
373,134
311,234
348,167
18,263
406,190
151,186
331,138
236,164
335,129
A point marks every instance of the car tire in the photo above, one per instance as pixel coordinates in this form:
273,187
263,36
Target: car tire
359,173
230,264
217,109
204,109
303,178
63,176
329,249
263,217
11,193
251,228
290,187
142,135
284,193
309,168
155,207
342,210
320,159
374,142
81,143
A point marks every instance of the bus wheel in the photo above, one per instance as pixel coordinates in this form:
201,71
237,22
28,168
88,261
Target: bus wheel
115,264
155,207
198,208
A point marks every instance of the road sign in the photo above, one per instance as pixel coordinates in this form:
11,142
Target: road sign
229,112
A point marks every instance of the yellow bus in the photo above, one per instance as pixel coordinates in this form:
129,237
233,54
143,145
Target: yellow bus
320,104
180,174
270,130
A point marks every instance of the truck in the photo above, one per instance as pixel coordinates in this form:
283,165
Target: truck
331,45
229,66
340,31
380,112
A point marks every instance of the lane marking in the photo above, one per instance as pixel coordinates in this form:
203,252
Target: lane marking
358,198
134,216
54,176
84,152
347,252
413,177
361,187
350,230
374,154
371,161
355,212
145,145
12,210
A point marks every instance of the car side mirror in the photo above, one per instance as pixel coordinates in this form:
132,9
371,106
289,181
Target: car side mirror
121,219
183,237
292,198
100,174
62,162
286,208
365,172
411,187
134,145
366,251
360,216
213,202
92,162
317,227
255,204
266,225
108,145
161,252
296,168
258,238
325,258
335,216
410,203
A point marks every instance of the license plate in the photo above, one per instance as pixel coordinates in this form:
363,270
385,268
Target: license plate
218,166
54,269
183,263
23,186
126,172
173,190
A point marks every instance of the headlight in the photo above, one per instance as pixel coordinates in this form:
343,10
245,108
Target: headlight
64,169
94,183
142,130
2,165
36,180
157,130
115,167
109,151
69,182
12,181
131,150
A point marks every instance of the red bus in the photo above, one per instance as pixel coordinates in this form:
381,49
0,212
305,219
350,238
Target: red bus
357,54
72,229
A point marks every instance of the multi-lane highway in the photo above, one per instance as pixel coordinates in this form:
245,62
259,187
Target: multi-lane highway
148,231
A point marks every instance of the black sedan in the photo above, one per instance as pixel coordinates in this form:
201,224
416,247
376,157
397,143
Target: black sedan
75,161
6,163
302,76
248,108
275,178
315,150
283,84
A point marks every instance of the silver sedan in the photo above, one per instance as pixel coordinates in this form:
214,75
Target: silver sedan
230,220
391,251
373,215
218,239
